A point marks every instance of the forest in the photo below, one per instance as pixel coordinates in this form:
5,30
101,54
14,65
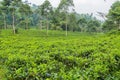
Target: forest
42,42
16,14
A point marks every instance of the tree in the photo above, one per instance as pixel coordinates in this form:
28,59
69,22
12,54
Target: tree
82,23
93,25
56,19
64,7
88,23
114,14
4,9
14,7
46,10
36,16
25,11
109,25
3,12
72,21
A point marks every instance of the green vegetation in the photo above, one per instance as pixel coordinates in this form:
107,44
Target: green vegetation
40,42
113,18
20,14
32,56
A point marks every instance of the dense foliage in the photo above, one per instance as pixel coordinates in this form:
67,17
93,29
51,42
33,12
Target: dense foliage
21,14
113,18
76,57
39,49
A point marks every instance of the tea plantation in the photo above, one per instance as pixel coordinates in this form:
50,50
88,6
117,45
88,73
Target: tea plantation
31,55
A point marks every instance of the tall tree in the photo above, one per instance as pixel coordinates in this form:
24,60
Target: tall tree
113,17
64,7
25,11
39,18
72,21
82,22
114,13
88,23
46,10
4,8
14,7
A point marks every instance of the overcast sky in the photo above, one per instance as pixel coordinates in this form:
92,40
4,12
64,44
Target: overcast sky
84,6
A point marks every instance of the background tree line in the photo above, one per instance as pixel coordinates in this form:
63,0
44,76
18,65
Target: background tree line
16,14
113,18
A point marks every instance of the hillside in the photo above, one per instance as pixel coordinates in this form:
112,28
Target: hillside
31,55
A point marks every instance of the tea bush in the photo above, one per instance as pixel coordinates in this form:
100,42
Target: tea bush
78,57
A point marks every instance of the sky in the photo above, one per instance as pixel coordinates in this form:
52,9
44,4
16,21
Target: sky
84,6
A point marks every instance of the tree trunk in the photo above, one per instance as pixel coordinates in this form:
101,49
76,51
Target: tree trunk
66,25
13,22
4,22
66,29
41,25
119,24
27,24
47,28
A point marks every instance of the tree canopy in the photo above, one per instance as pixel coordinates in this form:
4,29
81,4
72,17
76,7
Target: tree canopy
45,16
113,17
